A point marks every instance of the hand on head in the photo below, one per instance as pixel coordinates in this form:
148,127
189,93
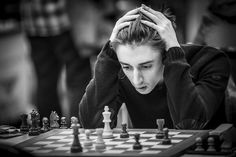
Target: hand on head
123,22
159,22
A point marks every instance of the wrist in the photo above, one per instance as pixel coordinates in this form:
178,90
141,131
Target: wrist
168,46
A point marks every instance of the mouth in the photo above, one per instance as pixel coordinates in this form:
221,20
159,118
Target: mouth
143,88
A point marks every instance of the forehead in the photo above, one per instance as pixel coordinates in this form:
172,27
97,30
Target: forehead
138,54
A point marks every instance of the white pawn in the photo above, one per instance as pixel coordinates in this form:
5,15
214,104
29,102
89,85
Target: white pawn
88,142
99,144
107,131
74,120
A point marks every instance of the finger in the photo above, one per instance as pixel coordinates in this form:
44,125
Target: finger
148,9
123,25
154,12
127,18
153,17
151,24
134,11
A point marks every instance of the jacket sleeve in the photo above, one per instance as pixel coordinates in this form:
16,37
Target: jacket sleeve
102,90
193,103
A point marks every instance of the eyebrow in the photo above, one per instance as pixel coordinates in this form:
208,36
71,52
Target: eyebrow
147,62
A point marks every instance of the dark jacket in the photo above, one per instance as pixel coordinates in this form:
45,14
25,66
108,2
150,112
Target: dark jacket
190,97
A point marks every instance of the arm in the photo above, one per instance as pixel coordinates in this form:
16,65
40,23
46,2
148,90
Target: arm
101,91
192,104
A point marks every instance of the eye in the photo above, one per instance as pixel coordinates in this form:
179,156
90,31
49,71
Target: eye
125,67
146,66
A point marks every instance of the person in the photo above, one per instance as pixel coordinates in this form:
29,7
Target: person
15,66
49,31
144,66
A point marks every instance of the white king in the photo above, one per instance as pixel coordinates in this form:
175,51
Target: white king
107,132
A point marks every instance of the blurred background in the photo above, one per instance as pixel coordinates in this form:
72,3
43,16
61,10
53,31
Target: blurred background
208,22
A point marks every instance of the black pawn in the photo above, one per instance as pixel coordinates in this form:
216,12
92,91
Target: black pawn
199,144
137,144
160,132
166,140
45,123
76,146
24,128
124,133
226,146
63,123
211,144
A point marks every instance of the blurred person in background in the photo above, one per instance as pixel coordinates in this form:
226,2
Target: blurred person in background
48,28
16,75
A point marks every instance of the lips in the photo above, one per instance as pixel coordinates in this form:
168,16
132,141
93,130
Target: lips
141,88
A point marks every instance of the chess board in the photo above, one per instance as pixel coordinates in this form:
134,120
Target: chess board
57,142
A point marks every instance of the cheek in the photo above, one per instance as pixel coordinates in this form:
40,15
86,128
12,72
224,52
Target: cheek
128,74
155,75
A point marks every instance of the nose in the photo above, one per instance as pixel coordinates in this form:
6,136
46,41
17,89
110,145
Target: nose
137,78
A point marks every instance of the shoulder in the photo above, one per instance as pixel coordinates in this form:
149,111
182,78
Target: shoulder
203,53
206,58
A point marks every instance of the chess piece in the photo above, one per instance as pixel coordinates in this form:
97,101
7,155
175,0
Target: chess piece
88,142
76,146
166,140
33,131
63,123
160,132
54,118
199,144
137,144
211,144
99,144
45,124
24,128
73,120
107,132
226,147
124,133
38,121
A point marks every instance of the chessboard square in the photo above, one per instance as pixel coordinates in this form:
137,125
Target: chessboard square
107,140
162,146
62,149
136,132
147,135
43,142
124,146
54,145
31,148
182,136
42,151
147,143
133,140
176,140
116,135
114,142
150,152
174,132
117,151
93,137
137,150
67,132
65,140
56,137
